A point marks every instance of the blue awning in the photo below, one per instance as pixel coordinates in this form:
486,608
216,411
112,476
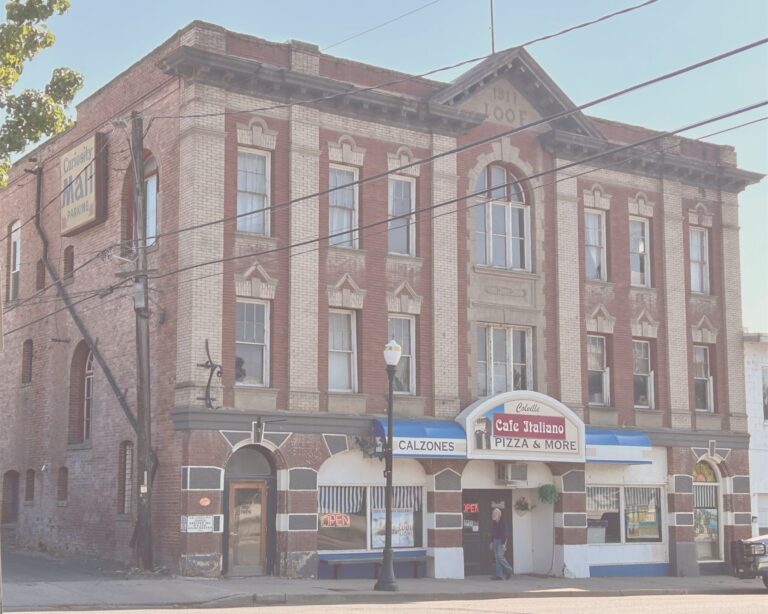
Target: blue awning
617,446
425,438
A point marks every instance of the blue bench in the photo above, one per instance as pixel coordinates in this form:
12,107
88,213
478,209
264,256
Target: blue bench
334,563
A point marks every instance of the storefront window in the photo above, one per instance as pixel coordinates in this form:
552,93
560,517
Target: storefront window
603,520
706,513
642,514
353,517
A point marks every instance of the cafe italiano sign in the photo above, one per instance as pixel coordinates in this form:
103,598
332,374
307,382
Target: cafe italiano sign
83,171
523,425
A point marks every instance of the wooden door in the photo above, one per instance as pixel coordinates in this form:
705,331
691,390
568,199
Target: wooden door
247,528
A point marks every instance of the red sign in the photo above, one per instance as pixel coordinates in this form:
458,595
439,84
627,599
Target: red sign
335,520
528,427
471,508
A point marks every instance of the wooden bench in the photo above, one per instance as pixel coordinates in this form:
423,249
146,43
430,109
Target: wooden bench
340,561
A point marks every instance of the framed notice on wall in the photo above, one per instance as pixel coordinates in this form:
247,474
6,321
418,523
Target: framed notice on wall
83,171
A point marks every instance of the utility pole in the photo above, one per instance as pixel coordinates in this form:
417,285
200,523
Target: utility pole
141,308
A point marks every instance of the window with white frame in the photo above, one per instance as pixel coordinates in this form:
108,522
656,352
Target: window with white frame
253,189
150,202
699,248
401,202
502,221
504,359
598,372
643,374
629,514
252,344
765,393
342,351
402,329
342,206
88,397
703,383
639,252
14,270
595,245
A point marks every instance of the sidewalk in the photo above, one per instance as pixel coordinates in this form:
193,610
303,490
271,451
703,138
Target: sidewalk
104,589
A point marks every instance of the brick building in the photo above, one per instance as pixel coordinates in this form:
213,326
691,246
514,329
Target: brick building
577,329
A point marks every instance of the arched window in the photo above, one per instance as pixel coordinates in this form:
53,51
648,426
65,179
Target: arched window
69,262
14,261
707,508
40,275
502,220
26,362
10,511
29,486
81,395
62,485
125,478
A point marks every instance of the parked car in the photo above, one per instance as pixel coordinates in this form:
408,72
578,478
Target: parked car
749,558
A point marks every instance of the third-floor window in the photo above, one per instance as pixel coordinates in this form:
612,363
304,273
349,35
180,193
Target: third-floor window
699,257
639,252
502,221
595,245
401,235
342,206
253,191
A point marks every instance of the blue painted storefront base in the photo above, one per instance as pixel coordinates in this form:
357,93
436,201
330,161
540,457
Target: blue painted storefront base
642,569
365,569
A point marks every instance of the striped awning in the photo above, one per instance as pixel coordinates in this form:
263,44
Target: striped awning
403,497
340,499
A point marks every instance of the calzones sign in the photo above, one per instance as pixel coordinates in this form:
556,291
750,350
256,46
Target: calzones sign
523,426
83,185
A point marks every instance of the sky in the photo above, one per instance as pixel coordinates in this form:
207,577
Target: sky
100,38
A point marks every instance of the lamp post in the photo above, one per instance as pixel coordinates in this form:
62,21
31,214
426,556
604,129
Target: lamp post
387,581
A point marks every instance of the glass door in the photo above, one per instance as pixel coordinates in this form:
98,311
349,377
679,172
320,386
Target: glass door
247,527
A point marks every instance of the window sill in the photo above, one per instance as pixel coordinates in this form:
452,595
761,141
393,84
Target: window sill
599,282
652,289
508,273
703,296
79,447
404,258
347,249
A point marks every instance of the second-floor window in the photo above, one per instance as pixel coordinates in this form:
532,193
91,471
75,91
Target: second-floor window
699,246
252,344
402,329
14,270
703,383
504,359
598,372
342,351
253,191
595,245
639,252
401,235
342,206
502,221
643,374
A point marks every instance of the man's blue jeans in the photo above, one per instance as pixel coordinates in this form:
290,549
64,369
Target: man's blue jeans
501,562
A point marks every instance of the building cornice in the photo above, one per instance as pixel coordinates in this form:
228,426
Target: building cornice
283,85
647,161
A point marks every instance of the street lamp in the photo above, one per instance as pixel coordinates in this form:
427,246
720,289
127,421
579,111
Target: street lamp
386,581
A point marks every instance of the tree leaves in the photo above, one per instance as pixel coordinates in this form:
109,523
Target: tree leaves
31,114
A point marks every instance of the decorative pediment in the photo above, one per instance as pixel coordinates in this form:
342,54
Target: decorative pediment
345,151
640,205
511,88
704,331
645,326
255,282
402,157
600,320
700,216
404,300
597,198
256,134
346,293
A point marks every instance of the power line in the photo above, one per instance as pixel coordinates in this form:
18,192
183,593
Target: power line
473,144
381,25
357,90
471,195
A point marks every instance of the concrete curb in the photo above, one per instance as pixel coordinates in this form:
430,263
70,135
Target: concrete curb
241,600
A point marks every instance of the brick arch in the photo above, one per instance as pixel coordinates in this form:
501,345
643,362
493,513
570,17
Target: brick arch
77,371
507,155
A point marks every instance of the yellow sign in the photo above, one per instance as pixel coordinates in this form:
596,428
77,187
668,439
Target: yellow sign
82,185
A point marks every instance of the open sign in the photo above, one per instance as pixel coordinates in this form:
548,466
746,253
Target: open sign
335,520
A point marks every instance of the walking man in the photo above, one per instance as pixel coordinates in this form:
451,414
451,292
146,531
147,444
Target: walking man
499,537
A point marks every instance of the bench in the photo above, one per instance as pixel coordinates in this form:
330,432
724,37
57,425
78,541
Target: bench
342,560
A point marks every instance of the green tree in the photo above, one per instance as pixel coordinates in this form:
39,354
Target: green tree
31,114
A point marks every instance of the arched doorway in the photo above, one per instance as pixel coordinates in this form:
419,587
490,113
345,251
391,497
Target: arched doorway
707,521
250,534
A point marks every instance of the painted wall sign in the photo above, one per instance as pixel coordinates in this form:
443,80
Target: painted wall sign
423,446
523,425
83,171
201,524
